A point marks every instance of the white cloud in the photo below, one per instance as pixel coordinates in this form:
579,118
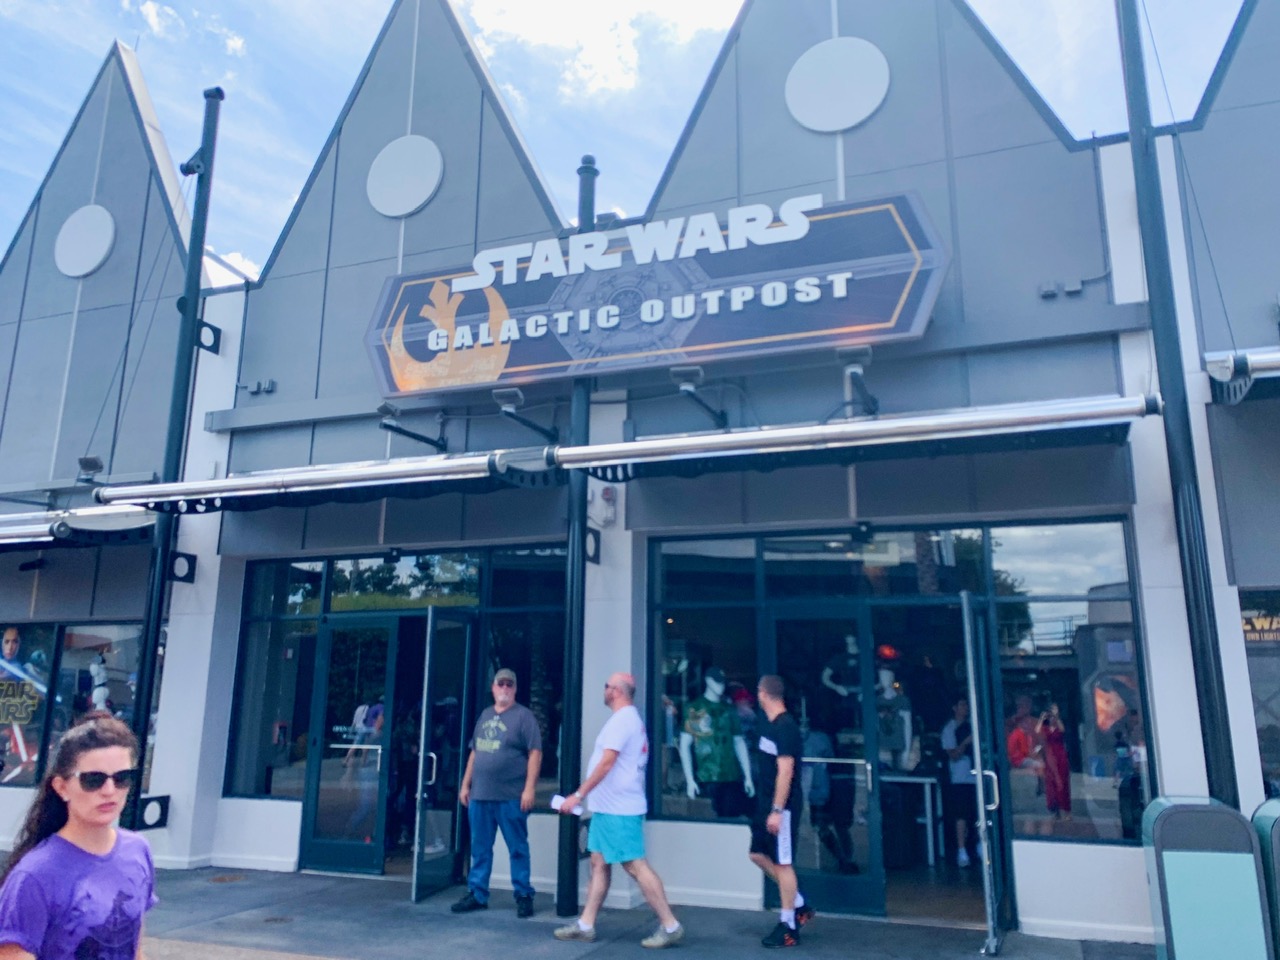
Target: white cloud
598,40
240,262
162,20
232,42
515,97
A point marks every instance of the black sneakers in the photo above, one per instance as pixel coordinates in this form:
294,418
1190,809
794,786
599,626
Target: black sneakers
524,907
782,936
805,914
469,903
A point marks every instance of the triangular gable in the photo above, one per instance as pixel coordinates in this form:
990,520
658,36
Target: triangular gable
982,88
87,289
422,78
422,169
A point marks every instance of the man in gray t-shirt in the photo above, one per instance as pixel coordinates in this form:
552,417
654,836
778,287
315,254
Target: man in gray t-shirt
497,790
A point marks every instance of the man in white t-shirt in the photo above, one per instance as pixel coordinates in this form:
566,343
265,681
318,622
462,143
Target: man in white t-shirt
615,788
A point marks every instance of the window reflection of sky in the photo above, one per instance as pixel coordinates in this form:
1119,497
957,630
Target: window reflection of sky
1064,560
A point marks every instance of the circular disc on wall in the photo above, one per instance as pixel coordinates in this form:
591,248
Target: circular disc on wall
85,241
837,84
404,176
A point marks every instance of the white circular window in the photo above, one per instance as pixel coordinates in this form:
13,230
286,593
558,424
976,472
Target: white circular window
404,176
837,84
85,241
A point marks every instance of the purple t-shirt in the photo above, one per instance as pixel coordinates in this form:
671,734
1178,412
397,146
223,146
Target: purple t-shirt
64,903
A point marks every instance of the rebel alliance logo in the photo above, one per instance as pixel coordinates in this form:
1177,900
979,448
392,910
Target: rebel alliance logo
460,356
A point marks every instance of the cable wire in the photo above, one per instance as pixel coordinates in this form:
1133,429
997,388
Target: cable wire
1180,157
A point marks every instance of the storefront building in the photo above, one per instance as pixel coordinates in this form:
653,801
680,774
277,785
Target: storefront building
869,408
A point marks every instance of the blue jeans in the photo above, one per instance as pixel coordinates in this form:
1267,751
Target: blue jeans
487,818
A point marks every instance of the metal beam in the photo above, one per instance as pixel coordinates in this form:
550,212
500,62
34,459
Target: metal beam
200,165
1215,723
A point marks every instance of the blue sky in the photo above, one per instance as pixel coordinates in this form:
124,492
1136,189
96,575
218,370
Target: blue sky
615,79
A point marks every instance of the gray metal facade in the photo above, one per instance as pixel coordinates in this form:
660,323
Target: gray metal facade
1016,200
86,364
1232,228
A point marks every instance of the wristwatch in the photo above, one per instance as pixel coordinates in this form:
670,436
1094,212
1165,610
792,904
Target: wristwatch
776,809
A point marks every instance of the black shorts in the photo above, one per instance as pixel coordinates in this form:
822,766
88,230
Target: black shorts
962,802
776,848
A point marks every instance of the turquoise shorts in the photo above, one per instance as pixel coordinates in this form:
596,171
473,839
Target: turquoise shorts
619,838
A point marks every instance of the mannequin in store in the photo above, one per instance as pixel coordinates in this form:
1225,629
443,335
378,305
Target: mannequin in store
98,674
894,710
713,752
842,676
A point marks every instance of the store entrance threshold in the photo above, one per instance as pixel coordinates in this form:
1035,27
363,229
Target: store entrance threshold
225,914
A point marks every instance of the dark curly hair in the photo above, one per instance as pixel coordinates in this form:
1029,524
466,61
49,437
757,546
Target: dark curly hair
48,813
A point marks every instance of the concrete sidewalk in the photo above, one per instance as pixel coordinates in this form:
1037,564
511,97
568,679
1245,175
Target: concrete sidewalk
216,914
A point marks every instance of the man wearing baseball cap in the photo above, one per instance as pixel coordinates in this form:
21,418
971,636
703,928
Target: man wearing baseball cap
497,790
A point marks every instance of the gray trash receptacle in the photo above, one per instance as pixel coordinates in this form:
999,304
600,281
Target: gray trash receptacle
1266,823
1204,868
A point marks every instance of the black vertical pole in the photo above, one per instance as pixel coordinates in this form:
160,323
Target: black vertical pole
575,596
175,438
1206,655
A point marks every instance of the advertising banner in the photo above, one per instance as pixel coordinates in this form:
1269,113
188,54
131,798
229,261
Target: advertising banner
684,290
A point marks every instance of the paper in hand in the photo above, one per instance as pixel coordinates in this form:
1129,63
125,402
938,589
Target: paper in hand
558,801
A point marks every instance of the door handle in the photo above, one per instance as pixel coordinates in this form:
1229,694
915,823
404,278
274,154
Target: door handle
866,766
994,803
435,762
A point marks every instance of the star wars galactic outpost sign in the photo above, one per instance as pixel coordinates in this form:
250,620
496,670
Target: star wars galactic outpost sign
688,289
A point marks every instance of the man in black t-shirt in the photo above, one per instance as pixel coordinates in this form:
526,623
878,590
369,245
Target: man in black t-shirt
777,816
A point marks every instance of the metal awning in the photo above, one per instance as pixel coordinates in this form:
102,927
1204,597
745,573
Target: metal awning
344,482
1233,376
84,526
1004,426
932,434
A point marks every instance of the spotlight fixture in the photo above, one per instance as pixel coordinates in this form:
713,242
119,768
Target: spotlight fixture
90,466
510,399
688,379
390,422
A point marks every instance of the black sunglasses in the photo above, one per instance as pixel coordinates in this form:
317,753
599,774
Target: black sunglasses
505,683
92,781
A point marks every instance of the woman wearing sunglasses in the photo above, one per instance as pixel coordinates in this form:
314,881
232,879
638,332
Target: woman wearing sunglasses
77,885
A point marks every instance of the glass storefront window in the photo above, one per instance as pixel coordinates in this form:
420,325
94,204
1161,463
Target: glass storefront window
1075,721
277,675
528,577
413,582
26,657
285,589
707,571
902,563
699,775
1078,559
1260,619
99,671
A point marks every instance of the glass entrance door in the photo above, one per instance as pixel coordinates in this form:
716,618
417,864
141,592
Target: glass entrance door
446,707
827,663
988,740
343,823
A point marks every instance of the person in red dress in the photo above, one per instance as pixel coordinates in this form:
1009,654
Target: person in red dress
1057,769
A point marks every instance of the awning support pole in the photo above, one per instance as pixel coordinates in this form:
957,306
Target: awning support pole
1206,656
575,596
201,164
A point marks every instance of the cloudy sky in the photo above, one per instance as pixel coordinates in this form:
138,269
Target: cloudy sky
616,79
